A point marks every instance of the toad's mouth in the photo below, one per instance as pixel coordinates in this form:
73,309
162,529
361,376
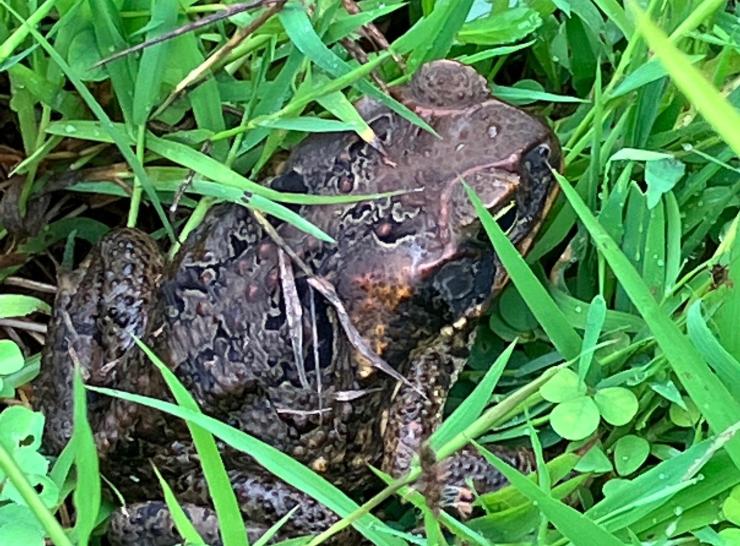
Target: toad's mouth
467,282
534,197
535,194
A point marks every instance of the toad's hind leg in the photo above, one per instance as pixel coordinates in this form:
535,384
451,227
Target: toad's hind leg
150,524
414,417
99,309
263,501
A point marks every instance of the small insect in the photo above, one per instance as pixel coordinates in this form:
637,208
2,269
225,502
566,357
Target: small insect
720,276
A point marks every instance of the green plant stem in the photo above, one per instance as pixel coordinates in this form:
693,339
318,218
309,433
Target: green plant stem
21,33
696,17
196,217
496,414
34,502
298,104
133,211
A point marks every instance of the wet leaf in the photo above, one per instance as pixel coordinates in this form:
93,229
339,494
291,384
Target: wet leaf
563,386
630,452
617,405
595,460
11,358
575,419
661,175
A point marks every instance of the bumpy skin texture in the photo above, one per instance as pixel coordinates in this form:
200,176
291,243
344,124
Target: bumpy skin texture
407,269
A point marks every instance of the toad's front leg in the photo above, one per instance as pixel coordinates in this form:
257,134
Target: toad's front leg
413,418
99,309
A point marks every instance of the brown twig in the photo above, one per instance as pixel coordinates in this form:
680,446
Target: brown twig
200,23
24,325
28,284
371,32
239,36
294,314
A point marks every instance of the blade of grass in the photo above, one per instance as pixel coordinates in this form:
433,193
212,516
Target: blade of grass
491,417
309,124
690,81
725,366
20,305
276,462
716,479
206,99
726,317
474,404
20,34
274,528
445,21
343,109
301,32
87,491
613,320
637,498
705,389
154,59
577,527
55,531
545,310
594,323
182,523
673,242
231,524
209,167
696,16
107,29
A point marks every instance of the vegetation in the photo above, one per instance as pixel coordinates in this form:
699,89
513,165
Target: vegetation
616,344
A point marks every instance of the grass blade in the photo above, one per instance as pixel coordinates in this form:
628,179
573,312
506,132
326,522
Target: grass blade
182,523
276,462
545,310
725,366
11,470
691,82
231,525
301,32
641,495
20,305
20,34
154,60
118,137
87,492
594,323
577,527
474,404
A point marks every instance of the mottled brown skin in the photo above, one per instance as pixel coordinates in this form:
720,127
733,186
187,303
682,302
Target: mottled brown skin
412,271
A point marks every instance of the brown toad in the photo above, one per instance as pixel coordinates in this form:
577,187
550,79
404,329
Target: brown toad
260,349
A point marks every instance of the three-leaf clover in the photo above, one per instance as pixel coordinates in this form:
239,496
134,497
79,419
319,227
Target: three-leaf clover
579,409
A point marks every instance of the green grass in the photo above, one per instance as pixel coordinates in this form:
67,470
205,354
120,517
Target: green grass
616,340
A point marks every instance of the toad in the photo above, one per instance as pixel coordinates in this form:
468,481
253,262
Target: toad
244,329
